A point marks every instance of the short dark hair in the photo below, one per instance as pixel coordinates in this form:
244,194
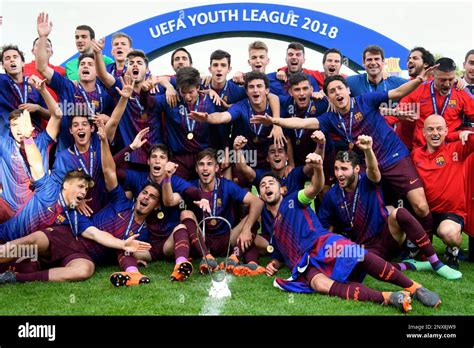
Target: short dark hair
330,79
445,64
84,55
256,75
161,147
14,115
34,42
271,174
80,175
218,55
348,156
184,50
187,77
296,46
374,49
120,34
88,28
331,50
82,111
468,54
152,184
138,53
13,48
426,55
295,79
207,152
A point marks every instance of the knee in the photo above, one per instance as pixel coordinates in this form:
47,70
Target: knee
421,208
450,234
321,284
85,271
186,214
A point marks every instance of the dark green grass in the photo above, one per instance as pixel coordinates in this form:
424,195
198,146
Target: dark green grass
250,296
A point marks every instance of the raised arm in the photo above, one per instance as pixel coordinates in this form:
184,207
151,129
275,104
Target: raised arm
44,28
107,79
170,198
214,118
33,155
364,142
320,139
410,86
317,179
108,164
54,123
240,163
255,209
277,133
125,94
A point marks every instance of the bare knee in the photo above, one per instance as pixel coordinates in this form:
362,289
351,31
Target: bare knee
187,214
321,283
450,234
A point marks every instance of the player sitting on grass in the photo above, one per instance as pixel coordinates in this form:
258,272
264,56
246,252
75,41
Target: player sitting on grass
321,261
356,207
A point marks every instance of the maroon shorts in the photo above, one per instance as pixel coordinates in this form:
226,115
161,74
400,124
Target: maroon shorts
218,244
63,247
310,273
5,211
186,165
156,250
402,177
384,245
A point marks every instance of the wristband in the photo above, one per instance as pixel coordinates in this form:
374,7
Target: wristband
166,181
28,141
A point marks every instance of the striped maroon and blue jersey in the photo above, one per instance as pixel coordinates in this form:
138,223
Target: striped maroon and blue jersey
41,211
72,103
114,219
176,128
17,185
228,194
257,135
367,120
135,180
10,100
138,115
294,181
67,160
370,212
296,229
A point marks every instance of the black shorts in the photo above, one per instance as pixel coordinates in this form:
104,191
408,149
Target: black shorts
440,217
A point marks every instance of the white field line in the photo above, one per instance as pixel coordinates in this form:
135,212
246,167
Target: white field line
213,306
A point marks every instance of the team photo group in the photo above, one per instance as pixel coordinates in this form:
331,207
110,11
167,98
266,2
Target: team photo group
335,178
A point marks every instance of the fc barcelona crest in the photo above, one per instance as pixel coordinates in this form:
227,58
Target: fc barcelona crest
440,161
358,116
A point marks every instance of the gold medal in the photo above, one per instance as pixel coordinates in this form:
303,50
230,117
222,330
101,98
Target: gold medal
298,141
255,139
190,136
160,215
351,146
270,249
213,222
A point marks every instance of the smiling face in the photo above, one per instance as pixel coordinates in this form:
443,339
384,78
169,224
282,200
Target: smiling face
257,92
373,64
148,199
120,48
415,64
258,60
180,60
270,190
469,69
338,95
83,40
294,60
301,93
137,68
219,70
435,131
157,162
87,72
207,168
81,131
332,65
75,190
277,157
12,62
346,174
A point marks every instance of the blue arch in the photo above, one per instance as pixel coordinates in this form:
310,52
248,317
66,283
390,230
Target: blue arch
161,34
